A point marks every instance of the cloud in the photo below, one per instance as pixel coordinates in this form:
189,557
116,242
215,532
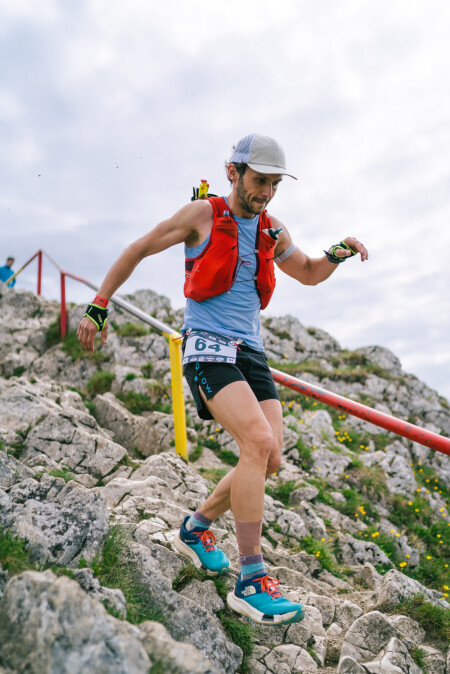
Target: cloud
111,112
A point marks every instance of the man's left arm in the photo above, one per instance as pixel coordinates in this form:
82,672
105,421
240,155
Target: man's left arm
311,271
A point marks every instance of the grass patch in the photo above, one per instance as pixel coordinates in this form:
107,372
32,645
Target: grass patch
305,454
370,480
418,655
196,453
213,474
147,370
186,575
114,568
229,457
130,329
73,348
14,555
53,334
64,473
434,619
136,403
100,382
281,491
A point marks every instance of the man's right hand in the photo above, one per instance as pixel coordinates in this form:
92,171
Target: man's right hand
87,331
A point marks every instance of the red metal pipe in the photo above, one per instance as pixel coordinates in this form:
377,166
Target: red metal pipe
39,274
386,421
63,306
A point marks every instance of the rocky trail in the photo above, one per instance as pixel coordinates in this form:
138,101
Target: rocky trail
92,492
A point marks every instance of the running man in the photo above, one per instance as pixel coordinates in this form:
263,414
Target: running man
231,244
7,271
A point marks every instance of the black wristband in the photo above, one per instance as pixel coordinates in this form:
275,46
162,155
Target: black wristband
98,315
335,259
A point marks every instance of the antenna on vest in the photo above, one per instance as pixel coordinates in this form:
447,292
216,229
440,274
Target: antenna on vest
274,233
202,191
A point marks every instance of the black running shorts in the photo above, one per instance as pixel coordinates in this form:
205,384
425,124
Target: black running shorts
250,366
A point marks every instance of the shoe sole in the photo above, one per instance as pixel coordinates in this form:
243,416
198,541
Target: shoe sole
244,608
188,552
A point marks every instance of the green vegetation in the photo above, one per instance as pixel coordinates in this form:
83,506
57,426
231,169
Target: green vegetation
369,480
130,376
130,329
305,454
434,619
240,633
229,457
73,348
281,491
344,368
147,370
65,473
196,453
100,382
115,568
136,403
14,555
53,334
418,656
213,474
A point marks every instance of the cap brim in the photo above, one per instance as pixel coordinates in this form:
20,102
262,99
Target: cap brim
263,168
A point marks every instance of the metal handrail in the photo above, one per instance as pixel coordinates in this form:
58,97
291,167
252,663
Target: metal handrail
386,421
179,414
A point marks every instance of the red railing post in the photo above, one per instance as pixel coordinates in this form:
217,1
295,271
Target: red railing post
63,306
39,274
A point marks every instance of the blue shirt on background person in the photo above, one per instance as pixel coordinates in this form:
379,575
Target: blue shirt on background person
6,272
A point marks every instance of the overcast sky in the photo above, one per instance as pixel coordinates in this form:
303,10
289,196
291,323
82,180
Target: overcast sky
111,111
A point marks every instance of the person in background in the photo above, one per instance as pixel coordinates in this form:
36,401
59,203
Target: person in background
7,271
231,245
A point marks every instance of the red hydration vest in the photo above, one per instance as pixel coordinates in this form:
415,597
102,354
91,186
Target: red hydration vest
213,272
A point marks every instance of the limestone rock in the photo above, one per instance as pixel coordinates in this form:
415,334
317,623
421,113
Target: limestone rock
348,665
148,435
60,522
111,598
173,656
290,659
185,619
394,659
355,551
204,594
395,587
12,471
367,636
49,624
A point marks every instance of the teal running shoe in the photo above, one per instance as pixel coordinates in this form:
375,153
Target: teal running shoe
259,599
200,546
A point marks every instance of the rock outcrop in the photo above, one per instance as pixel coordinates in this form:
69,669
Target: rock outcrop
92,492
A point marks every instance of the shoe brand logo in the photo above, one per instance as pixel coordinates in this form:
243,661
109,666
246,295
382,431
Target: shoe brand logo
250,589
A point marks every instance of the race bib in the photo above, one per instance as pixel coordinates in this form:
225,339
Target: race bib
207,347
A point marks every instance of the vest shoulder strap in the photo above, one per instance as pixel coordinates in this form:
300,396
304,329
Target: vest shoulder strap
219,206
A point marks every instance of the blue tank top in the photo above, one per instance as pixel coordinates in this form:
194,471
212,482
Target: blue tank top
236,312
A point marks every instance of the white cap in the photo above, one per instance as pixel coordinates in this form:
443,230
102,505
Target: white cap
262,153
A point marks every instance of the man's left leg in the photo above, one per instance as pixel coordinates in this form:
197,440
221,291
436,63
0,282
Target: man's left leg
219,502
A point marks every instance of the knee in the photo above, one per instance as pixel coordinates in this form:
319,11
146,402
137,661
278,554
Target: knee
274,462
260,446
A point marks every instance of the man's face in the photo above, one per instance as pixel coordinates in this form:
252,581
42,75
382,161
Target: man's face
10,262
255,190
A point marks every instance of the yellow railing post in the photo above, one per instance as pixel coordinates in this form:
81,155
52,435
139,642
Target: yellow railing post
179,414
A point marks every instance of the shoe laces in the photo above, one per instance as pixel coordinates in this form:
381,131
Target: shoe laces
269,585
207,539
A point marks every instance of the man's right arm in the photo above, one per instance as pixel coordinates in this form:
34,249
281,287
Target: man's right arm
181,227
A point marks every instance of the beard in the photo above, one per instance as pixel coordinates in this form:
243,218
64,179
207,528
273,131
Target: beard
245,199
